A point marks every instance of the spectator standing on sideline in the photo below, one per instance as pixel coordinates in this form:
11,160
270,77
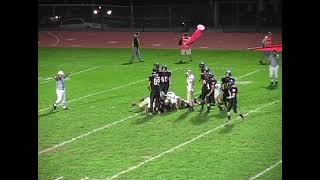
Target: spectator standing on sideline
185,48
266,42
273,68
135,48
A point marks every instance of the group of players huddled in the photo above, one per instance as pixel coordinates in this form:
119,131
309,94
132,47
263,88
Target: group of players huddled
161,100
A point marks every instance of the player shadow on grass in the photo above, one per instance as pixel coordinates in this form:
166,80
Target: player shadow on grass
271,87
183,62
128,63
221,115
201,118
182,116
144,119
48,113
226,129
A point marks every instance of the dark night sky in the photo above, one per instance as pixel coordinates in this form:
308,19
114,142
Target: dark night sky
137,2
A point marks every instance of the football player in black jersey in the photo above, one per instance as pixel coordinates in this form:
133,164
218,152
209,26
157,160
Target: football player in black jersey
156,67
207,95
225,86
165,79
214,81
154,86
233,92
202,67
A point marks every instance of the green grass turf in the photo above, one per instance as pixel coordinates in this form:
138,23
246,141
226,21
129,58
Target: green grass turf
237,152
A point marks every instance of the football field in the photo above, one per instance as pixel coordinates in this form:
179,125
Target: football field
100,137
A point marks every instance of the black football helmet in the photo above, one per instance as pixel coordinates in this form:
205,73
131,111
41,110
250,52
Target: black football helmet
231,82
156,67
228,73
207,70
202,65
210,75
164,68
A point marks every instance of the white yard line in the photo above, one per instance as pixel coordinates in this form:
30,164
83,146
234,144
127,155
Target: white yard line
84,71
100,92
266,170
87,133
183,144
248,74
59,178
51,79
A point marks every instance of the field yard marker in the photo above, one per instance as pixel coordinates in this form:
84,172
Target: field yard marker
93,94
59,178
58,40
51,79
185,143
87,134
266,170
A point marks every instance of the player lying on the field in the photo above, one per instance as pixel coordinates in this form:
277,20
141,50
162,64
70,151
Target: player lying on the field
168,102
142,104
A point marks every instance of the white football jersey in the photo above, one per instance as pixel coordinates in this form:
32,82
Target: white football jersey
190,82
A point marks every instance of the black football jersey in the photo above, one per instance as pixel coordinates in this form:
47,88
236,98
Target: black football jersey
202,76
165,77
233,90
225,82
155,82
214,81
207,85
202,70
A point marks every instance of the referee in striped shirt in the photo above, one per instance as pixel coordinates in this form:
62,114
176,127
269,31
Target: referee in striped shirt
135,49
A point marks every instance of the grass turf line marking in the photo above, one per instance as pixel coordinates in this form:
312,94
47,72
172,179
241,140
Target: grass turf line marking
59,178
185,143
88,133
50,79
266,170
100,92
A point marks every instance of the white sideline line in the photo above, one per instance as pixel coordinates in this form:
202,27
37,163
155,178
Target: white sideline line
239,77
266,170
248,74
185,143
84,71
59,178
87,134
49,79
103,91
58,40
